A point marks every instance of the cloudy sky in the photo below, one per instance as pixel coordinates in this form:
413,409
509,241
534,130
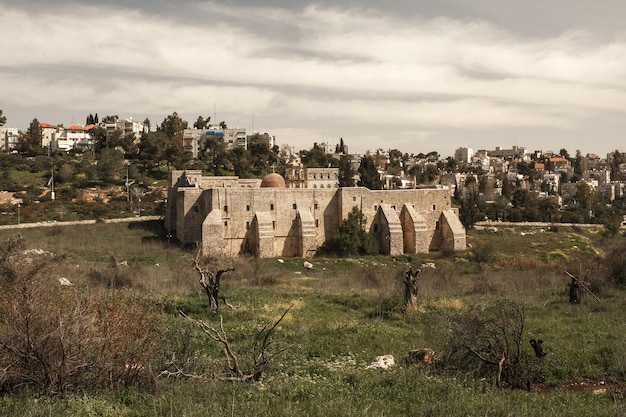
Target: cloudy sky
416,75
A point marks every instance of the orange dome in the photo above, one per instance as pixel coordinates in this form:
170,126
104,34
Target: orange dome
273,180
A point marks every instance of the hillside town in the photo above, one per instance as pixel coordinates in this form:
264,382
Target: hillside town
502,184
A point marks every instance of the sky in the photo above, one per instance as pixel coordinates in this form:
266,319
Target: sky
413,75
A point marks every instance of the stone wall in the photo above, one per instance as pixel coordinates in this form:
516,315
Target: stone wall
284,222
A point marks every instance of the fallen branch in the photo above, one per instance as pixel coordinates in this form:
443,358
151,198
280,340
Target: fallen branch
261,356
584,285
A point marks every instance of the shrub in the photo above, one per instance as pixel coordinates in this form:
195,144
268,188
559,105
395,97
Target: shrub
616,264
57,339
486,342
350,238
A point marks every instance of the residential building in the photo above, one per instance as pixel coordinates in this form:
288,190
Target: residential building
463,155
126,127
8,138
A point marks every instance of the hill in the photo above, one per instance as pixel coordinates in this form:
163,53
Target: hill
334,319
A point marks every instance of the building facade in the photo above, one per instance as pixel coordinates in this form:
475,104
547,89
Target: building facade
229,217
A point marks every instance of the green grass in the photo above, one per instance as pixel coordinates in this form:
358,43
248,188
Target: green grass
344,313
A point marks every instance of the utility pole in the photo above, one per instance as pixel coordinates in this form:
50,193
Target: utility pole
52,184
127,184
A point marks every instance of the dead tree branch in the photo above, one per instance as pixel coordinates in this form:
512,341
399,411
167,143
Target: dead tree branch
582,284
261,352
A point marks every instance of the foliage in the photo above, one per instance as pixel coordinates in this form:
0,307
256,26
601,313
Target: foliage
30,143
346,173
350,238
368,174
316,157
470,212
616,264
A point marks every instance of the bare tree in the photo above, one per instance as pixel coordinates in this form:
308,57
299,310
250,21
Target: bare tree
261,353
210,281
410,288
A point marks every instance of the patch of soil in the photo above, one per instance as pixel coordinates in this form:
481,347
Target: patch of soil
616,388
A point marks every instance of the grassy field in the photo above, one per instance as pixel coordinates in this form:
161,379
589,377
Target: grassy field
342,314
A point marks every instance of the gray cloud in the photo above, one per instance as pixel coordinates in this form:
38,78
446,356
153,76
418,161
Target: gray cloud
419,75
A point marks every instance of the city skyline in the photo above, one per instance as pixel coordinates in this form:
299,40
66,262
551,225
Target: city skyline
416,76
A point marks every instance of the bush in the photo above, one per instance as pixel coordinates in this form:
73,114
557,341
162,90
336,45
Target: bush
616,264
57,339
350,238
486,342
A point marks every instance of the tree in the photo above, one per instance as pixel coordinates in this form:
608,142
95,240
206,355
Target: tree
201,122
368,174
215,153
110,165
262,158
578,163
585,196
173,126
210,281
152,148
30,143
146,123
340,148
563,152
3,119
316,157
350,238
346,173
507,187
615,161
469,212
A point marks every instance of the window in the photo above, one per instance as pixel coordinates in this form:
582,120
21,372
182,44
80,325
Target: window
271,206
317,222
196,209
247,225
375,227
273,224
375,207
226,223
315,206
434,207
314,185
226,209
437,225
353,198
247,207
294,206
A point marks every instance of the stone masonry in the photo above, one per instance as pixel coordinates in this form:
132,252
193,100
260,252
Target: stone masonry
229,217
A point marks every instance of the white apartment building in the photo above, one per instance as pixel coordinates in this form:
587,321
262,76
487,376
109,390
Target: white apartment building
8,138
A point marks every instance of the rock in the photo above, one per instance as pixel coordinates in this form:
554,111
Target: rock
308,265
65,282
382,362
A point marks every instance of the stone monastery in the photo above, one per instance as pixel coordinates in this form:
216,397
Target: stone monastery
228,216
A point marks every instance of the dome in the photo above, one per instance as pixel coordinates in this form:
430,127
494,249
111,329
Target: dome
273,180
